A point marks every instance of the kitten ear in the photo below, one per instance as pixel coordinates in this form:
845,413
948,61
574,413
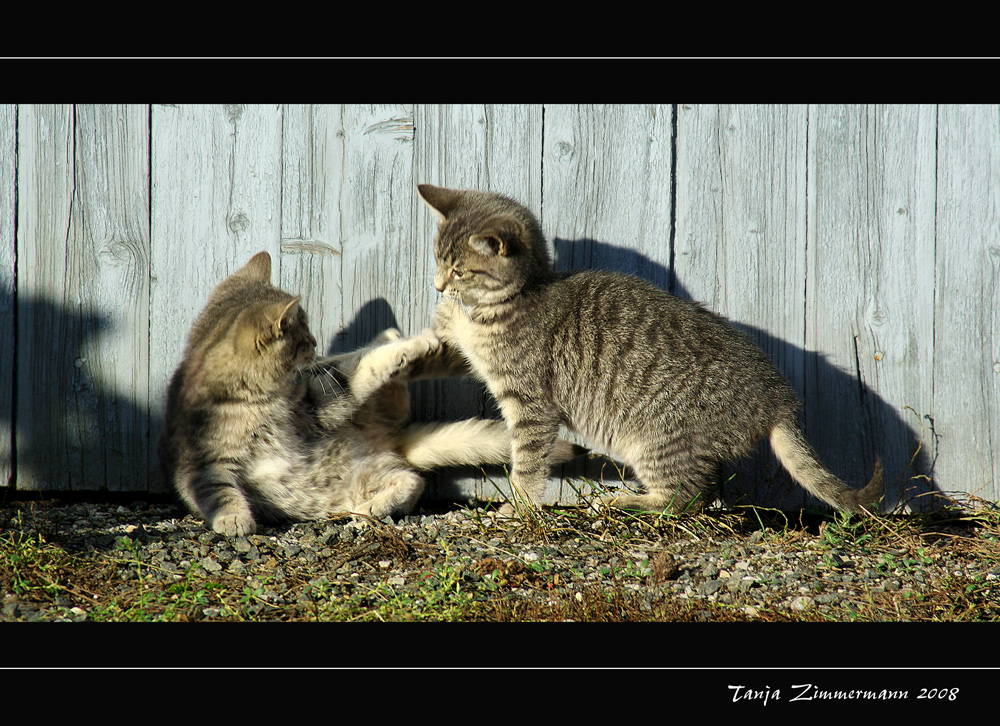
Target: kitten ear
284,313
271,321
258,268
441,201
490,244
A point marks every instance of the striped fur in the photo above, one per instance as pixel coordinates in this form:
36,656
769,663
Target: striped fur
257,430
666,385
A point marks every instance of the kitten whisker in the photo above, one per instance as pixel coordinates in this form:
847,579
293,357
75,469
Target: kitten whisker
320,370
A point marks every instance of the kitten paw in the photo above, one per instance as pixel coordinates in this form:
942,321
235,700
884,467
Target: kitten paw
628,501
521,511
388,335
413,349
667,503
232,523
425,343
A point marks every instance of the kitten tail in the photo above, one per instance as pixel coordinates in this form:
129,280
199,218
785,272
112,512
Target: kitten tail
798,457
474,442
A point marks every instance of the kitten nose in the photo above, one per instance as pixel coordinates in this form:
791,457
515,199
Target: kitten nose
439,282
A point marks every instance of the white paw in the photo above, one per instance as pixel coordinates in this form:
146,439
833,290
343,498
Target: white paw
523,510
234,523
387,335
426,342
415,348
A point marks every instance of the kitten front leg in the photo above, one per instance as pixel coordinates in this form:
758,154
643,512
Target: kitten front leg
533,441
348,362
234,520
389,407
445,362
385,362
374,377
215,494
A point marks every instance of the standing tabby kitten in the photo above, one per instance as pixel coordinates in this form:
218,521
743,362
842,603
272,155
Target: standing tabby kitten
671,388
256,429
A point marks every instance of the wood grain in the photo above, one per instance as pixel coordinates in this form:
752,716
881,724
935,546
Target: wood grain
741,238
83,298
312,151
8,261
870,294
966,380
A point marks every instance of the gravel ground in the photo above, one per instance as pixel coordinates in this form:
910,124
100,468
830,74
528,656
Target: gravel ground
108,561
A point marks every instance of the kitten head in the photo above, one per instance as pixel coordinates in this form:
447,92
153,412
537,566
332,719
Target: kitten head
250,336
488,247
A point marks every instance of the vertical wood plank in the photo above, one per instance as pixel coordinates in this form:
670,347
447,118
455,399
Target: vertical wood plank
45,183
8,200
451,149
607,193
741,220
869,298
216,180
966,379
840,232
312,141
375,209
607,201
83,296
488,147
740,242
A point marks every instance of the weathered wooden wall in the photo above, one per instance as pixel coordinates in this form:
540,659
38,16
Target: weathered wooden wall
860,247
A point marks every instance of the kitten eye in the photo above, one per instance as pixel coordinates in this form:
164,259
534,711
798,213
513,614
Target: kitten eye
457,273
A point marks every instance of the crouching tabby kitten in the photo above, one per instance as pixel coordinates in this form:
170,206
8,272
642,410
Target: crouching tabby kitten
256,429
669,387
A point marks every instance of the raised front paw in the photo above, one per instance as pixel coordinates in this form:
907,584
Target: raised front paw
410,350
390,361
425,343
386,336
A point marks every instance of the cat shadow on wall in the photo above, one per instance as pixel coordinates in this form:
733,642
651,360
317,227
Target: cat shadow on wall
72,431
847,448
371,319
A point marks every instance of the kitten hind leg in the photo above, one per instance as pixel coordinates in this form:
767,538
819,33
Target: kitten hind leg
383,486
680,487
